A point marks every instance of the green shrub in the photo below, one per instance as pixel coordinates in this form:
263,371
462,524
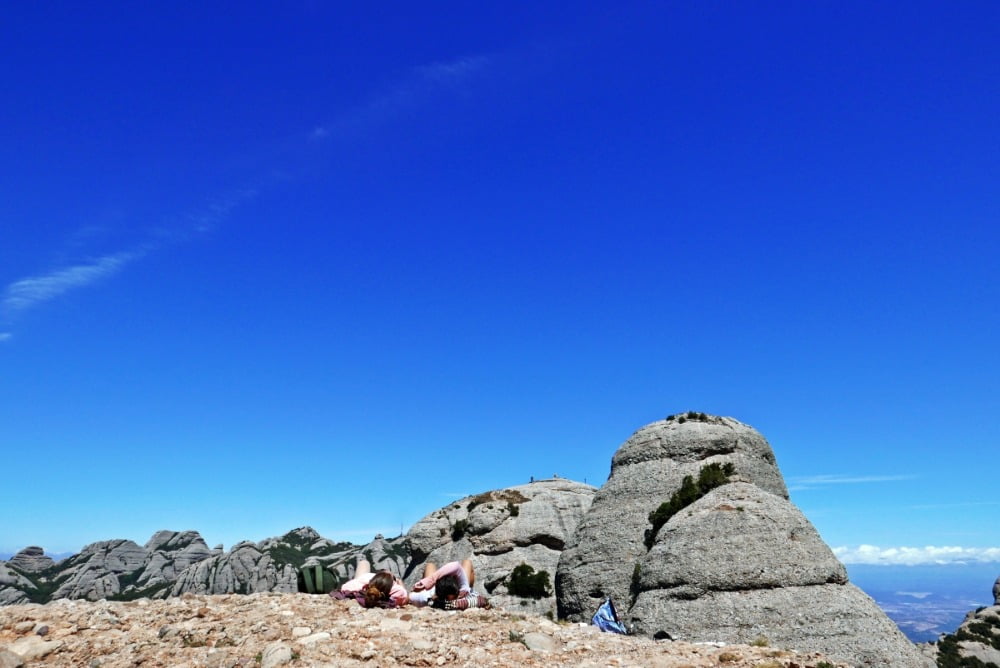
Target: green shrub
711,476
523,581
459,528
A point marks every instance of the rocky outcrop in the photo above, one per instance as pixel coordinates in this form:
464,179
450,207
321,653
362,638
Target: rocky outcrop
735,562
272,564
741,564
996,592
243,570
31,560
13,586
94,573
600,559
977,638
500,530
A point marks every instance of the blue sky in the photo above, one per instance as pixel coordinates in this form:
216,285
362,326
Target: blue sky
273,264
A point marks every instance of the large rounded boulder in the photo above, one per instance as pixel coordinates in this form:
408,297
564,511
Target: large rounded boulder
741,565
600,559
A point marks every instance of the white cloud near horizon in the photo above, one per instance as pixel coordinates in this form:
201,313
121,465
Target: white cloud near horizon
914,556
29,292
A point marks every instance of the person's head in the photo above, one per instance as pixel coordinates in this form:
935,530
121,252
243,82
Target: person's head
446,589
378,589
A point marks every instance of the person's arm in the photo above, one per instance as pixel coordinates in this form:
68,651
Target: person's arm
355,585
452,567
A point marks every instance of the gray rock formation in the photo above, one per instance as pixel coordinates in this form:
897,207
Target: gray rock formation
173,563
738,564
13,586
31,560
169,553
996,592
243,570
645,471
976,638
501,529
273,563
741,564
93,573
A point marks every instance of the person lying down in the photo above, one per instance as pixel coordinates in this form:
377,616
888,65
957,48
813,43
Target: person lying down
449,587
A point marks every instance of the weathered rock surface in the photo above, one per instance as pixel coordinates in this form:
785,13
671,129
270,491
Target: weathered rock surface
599,560
996,592
13,586
173,563
267,629
976,638
737,537
500,530
93,573
31,560
272,564
741,564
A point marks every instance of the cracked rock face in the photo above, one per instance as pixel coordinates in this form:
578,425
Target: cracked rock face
502,529
648,468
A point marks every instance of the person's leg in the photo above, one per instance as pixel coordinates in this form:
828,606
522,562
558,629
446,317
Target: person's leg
429,569
363,568
469,571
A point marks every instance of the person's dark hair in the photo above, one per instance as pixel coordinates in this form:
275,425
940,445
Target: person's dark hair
446,586
378,588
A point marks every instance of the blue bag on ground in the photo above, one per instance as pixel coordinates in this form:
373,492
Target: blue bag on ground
606,618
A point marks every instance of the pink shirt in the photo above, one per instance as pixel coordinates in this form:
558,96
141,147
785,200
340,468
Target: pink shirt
397,594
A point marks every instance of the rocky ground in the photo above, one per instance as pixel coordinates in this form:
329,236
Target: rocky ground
266,629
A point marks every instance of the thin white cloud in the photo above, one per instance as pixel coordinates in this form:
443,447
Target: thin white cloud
453,71
220,209
401,95
913,556
28,292
966,504
813,481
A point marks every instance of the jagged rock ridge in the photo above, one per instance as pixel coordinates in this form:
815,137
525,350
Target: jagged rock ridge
174,563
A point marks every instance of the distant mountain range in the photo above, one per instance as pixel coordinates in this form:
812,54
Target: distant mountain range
924,601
